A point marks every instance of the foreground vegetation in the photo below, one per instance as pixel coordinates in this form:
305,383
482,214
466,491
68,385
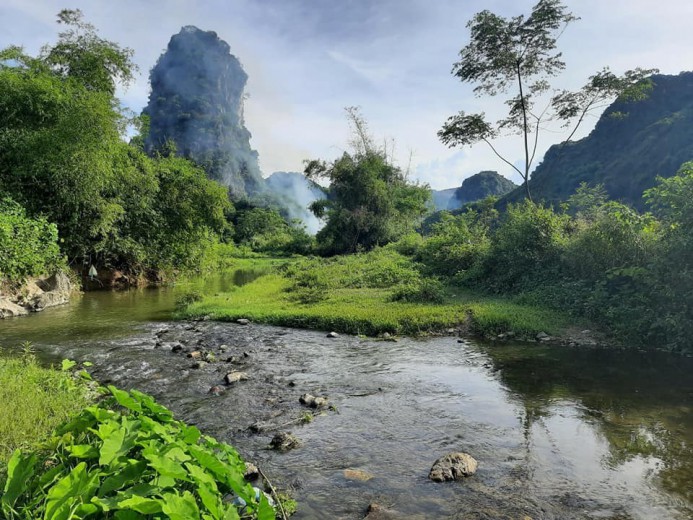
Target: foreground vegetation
124,457
34,401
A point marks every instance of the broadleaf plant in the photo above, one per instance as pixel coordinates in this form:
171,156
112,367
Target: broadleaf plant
126,458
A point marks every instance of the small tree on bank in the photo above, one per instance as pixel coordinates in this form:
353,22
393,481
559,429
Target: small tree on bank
517,56
370,201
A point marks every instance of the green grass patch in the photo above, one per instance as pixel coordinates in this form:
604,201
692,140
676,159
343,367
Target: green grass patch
33,401
354,295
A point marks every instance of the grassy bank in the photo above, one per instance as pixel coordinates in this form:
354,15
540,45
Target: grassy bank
33,402
368,294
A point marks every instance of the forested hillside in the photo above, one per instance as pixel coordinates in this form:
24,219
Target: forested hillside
632,144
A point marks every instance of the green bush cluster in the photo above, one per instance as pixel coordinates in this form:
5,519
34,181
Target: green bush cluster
127,458
264,230
28,246
426,290
594,258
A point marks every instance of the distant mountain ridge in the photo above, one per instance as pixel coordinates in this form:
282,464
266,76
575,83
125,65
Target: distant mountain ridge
632,144
477,187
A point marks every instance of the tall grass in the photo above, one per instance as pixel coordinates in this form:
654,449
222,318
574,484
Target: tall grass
33,401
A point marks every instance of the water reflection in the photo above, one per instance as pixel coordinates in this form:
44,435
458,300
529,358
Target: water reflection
641,404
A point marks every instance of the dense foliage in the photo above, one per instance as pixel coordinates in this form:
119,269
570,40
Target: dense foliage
63,158
127,458
370,201
265,230
28,246
595,258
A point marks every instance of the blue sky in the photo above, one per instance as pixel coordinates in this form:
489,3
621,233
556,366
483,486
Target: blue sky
308,59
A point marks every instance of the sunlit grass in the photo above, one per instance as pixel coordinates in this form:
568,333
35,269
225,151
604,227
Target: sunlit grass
369,311
33,401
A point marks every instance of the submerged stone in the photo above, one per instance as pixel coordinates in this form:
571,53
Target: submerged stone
453,466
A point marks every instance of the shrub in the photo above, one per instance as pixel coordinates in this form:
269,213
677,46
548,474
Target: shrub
455,244
615,236
187,298
28,246
427,290
525,250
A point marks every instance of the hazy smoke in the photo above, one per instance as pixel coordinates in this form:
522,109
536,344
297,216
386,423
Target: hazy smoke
297,193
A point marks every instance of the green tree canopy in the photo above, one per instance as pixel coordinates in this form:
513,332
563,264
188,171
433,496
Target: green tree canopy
518,56
63,156
370,201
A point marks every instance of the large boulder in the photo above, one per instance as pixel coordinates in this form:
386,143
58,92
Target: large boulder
453,466
10,309
58,282
48,299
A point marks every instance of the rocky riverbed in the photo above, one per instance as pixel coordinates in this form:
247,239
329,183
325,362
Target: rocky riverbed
388,410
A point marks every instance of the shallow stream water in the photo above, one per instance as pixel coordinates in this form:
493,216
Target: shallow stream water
559,433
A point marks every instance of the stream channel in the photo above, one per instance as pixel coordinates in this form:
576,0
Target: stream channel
559,433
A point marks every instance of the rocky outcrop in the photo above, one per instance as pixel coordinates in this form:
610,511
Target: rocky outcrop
10,309
285,441
35,295
196,103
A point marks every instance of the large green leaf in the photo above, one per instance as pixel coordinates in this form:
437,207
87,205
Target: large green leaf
132,471
20,469
201,477
211,501
147,506
159,412
190,434
77,488
165,465
181,507
83,451
113,436
79,424
226,473
125,399
265,510
230,513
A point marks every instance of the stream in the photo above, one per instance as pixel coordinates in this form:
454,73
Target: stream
559,433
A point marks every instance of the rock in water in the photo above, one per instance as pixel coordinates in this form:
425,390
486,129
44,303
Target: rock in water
357,474
378,512
216,390
453,466
196,101
332,335
235,377
284,442
251,471
312,401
